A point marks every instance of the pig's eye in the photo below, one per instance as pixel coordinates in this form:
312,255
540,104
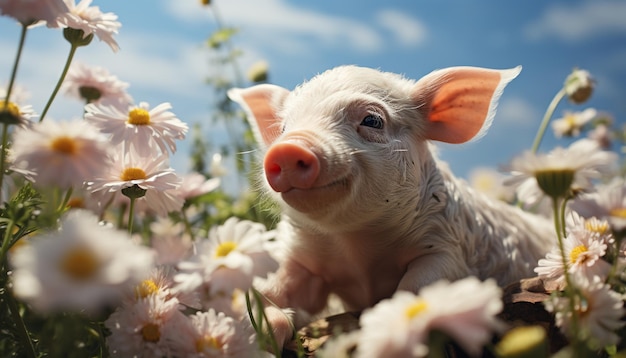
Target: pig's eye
372,120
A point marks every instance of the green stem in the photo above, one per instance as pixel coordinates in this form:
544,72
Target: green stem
546,119
21,327
270,332
66,200
5,130
8,235
60,82
131,216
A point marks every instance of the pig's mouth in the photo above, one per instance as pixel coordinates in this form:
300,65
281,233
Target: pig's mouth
315,197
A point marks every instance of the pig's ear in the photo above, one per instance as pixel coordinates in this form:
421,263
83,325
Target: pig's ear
459,103
260,103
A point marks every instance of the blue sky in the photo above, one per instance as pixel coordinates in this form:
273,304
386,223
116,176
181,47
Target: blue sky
163,58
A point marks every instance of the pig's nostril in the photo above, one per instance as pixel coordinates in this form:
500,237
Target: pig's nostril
301,164
273,168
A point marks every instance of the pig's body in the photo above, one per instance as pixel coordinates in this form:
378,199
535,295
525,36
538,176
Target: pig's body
367,208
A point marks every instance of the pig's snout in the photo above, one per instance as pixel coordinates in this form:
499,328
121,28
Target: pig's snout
291,165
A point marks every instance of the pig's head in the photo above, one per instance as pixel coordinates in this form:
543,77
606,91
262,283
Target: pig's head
350,147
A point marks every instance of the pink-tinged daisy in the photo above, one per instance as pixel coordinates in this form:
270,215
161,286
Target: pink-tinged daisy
599,310
170,241
28,12
94,84
146,328
230,258
151,174
196,184
160,282
583,252
464,310
83,266
571,124
559,171
213,334
60,154
141,127
91,20
608,203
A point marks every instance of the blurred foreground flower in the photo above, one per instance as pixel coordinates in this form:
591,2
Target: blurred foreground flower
15,111
464,310
229,259
96,85
141,128
59,154
28,12
83,266
91,20
608,203
599,311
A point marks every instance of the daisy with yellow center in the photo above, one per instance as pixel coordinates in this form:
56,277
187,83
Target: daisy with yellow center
464,310
148,131
572,123
607,203
81,266
229,259
59,154
154,175
584,252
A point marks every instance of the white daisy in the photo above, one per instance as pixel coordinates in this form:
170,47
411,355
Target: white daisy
464,310
141,127
82,266
16,107
91,20
490,183
572,123
29,12
229,259
146,328
94,84
61,154
583,252
599,310
213,334
151,174
170,241
560,170
195,184
608,203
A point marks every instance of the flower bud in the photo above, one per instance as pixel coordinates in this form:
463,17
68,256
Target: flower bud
522,342
579,86
77,37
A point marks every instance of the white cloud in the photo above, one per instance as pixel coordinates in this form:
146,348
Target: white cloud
281,25
575,23
408,30
517,111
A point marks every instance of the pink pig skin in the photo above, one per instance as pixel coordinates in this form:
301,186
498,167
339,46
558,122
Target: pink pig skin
368,209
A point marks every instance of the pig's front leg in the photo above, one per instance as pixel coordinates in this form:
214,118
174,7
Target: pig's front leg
430,268
292,294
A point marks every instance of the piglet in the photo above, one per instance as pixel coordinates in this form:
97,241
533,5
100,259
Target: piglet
367,207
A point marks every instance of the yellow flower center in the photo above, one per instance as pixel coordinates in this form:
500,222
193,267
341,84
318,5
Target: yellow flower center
570,119
80,263
138,117
151,333
133,174
619,212
76,203
10,107
416,308
597,226
576,252
225,248
64,145
207,343
146,288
